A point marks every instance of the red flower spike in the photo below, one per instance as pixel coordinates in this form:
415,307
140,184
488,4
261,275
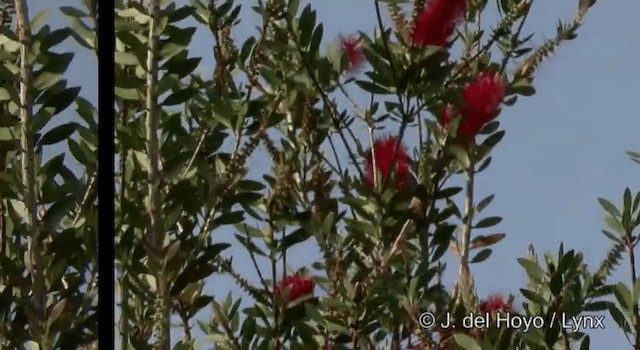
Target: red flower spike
435,25
295,286
482,98
495,303
386,162
350,46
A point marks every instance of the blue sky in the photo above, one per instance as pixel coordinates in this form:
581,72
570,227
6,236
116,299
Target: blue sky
563,148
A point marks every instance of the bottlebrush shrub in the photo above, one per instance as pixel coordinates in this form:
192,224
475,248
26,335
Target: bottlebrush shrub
273,155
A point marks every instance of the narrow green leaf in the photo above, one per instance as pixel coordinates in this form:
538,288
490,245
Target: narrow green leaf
619,318
534,297
57,134
316,39
55,312
481,256
488,222
615,225
484,203
179,97
609,207
466,342
373,88
298,236
73,12
58,211
533,270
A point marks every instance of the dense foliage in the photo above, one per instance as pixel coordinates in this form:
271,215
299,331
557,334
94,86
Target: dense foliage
382,214
48,206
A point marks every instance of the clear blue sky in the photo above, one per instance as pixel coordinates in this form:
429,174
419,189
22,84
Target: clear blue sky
564,147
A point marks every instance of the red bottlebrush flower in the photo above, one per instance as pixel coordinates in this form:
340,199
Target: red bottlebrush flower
386,162
495,303
435,25
350,46
295,286
482,98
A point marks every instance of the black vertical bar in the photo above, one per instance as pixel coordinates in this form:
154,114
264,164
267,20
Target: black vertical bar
106,183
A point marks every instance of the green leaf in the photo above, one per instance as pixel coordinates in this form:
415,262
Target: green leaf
493,139
82,34
298,236
57,134
611,236
73,12
609,207
373,88
55,312
54,38
627,210
483,255
488,222
126,59
623,296
619,318
250,185
194,272
586,343
181,66
484,203
136,14
7,95
61,100
31,345
333,324
615,225
82,153
533,270
45,79
316,39
39,20
306,24
230,218
461,155
181,13
556,283
636,202
179,39
448,192
128,89
466,342
179,97
535,297
58,211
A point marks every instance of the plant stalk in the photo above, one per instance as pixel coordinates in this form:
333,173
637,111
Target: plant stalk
632,269
34,265
465,239
162,324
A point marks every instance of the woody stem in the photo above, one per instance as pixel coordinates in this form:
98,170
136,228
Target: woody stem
466,228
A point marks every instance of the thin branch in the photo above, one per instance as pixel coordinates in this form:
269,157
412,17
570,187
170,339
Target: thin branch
88,196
